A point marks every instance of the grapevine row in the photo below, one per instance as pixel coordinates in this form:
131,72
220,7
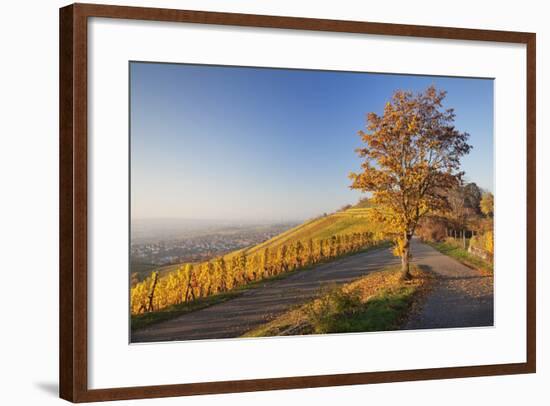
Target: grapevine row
222,274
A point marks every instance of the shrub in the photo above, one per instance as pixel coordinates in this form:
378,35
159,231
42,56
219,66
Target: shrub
484,242
324,312
489,242
347,311
432,229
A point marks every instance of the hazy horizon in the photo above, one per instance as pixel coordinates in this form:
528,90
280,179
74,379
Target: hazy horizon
269,145
219,219
269,220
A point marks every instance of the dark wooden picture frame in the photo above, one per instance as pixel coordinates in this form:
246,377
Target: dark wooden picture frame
73,201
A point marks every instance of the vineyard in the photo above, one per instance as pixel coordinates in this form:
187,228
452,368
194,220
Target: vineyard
193,281
352,220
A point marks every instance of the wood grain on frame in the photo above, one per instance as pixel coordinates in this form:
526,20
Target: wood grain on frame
73,362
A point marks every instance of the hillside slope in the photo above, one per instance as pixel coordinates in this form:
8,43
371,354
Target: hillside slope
316,241
353,220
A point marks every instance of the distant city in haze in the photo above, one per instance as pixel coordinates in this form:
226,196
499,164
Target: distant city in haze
173,241
249,152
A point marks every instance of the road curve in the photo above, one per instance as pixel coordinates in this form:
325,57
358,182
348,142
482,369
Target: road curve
461,297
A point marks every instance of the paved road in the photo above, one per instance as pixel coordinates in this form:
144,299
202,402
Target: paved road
460,298
257,306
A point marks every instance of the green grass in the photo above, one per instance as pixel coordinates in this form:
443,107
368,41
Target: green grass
377,302
139,321
463,256
344,313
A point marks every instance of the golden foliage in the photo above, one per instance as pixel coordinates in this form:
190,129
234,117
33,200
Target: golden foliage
412,156
484,241
193,281
487,204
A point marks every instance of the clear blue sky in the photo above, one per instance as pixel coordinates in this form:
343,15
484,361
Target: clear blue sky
270,144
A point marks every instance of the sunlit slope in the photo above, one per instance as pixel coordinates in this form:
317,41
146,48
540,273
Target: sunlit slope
353,220
316,241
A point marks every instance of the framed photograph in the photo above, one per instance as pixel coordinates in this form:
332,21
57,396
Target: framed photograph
255,202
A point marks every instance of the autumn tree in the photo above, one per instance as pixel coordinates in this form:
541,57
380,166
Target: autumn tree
412,155
457,210
472,196
487,203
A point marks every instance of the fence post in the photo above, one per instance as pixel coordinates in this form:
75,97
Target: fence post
189,276
152,291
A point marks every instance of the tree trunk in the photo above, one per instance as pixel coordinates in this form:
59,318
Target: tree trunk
405,274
